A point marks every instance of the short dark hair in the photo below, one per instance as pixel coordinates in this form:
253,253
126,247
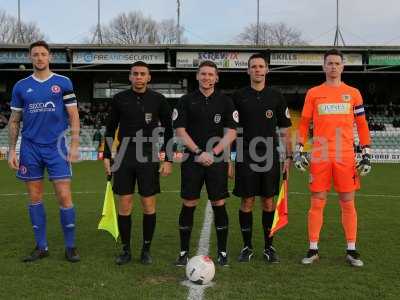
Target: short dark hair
40,43
333,51
208,63
257,55
140,63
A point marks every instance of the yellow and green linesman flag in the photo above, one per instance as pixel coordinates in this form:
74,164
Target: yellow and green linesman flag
281,210
109,220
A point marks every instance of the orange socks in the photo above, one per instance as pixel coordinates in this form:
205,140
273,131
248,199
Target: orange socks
315,219
349,220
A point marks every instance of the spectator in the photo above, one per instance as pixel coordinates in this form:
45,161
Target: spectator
97,137
3,121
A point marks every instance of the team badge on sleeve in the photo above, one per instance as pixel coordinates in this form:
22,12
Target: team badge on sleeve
235,116
287,113
269,114
174,114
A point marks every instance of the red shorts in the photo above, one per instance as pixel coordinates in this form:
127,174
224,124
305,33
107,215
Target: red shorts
343,172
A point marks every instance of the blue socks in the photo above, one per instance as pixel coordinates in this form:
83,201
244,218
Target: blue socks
67,218
38,219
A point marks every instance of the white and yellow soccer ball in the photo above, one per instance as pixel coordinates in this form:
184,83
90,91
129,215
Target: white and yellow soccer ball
200,269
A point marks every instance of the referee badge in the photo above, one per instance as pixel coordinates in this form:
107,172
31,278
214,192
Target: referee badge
269,114
217,118
148,117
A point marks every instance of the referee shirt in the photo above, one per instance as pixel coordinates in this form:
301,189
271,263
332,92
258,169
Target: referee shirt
260,112
133,111
205,117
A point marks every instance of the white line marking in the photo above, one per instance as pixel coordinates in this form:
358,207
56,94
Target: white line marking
196,291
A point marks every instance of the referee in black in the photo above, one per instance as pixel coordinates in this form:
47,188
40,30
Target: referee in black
138,113
261,110
200,119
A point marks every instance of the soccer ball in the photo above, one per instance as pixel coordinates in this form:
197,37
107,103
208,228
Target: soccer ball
200,269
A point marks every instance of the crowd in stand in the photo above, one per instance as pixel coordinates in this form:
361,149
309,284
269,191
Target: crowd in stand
389,111
4,113
376,126
93,114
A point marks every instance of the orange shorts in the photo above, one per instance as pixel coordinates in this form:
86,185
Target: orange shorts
343,172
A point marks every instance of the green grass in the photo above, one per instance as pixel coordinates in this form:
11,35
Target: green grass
96,276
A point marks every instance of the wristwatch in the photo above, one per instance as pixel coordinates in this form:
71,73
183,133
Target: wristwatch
198,151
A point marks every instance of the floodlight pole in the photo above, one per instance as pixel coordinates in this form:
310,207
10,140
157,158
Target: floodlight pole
338,34
178,24
258,23
97,34
19,29
98,22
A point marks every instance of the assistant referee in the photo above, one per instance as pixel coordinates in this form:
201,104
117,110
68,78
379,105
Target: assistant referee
261,110
137,113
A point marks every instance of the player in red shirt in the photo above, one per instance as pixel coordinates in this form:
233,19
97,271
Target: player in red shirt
333,107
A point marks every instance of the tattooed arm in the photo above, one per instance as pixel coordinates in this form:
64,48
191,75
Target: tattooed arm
13,132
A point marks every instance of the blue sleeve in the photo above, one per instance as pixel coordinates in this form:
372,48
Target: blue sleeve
17,103
68,93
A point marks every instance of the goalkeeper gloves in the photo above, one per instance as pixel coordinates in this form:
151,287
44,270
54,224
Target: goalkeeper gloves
364,165
300,158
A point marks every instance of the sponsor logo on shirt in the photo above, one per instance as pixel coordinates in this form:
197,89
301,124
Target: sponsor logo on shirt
333,108
269,113
39,107
217,118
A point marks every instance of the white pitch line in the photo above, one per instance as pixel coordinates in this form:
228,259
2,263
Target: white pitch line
196,291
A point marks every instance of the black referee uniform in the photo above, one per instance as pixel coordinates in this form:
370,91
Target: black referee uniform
133,112
260,113
204,119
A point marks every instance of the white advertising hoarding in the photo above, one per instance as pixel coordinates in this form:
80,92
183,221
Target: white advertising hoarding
223,59
117,57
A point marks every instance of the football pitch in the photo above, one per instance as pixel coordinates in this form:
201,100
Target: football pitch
97,276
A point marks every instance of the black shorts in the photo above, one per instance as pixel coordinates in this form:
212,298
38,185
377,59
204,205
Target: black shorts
145,173
257,178
193,176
